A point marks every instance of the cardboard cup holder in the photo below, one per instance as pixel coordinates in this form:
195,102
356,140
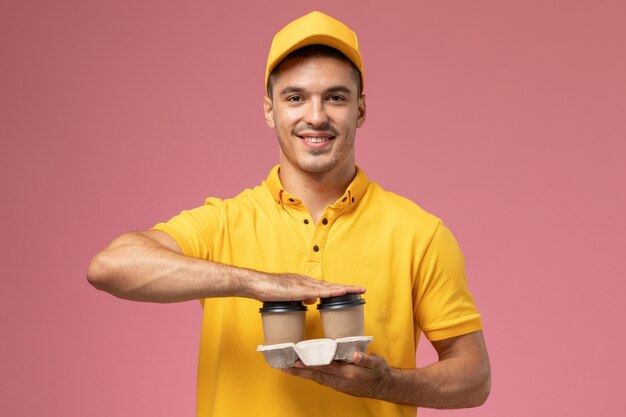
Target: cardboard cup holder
314,352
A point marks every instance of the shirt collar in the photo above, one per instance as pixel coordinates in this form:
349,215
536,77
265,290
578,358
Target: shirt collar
350,198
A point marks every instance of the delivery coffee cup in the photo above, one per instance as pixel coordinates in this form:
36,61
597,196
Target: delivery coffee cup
283,321
342,316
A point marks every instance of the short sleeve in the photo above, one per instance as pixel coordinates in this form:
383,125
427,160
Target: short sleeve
195,230
444,307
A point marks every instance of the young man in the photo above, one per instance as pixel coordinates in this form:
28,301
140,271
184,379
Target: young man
317,227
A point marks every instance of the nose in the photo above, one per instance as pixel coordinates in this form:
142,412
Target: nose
315,113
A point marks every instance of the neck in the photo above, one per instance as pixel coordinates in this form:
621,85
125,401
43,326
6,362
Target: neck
316,190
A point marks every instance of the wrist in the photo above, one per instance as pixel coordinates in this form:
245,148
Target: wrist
388,384
226,281
402,386
245,283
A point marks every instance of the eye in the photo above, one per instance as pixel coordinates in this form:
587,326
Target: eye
294,99
336,98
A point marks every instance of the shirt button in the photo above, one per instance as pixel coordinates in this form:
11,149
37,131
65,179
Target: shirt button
316,248
325,221
306,221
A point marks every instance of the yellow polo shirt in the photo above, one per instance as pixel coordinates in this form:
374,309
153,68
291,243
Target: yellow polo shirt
406,258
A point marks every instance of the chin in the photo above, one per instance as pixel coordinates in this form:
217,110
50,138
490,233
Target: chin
317,167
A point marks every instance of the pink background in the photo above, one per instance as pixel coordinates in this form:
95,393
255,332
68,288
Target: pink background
506,119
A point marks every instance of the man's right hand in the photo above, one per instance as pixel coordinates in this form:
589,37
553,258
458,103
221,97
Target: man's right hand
293,287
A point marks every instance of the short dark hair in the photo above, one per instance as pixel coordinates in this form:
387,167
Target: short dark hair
319,51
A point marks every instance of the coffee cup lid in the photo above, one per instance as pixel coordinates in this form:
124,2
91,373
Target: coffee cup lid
342,301
282,306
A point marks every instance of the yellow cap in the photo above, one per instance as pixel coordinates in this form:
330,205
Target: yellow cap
315,28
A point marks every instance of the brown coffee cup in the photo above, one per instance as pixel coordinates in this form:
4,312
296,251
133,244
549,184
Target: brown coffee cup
283,321
342,316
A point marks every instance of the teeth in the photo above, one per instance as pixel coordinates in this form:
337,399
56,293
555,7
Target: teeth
315,140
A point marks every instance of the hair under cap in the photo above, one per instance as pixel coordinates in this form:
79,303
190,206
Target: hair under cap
315,28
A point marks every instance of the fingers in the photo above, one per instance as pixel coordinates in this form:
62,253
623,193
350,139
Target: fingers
347,289
295,287
368,361
337,289
362,359
316,372
351,378
356,290
307,373
332,292
301,287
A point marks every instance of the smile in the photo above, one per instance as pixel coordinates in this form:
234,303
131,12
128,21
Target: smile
316,139
316,143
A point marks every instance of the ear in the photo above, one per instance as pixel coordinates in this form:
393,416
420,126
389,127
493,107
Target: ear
362,111
268,109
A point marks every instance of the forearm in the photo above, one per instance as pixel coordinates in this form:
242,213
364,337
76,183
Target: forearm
450,383
460,379
148,266
136,267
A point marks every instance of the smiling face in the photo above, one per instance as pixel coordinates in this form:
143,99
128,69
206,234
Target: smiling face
315,110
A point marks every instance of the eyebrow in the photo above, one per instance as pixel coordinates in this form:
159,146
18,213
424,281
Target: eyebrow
334,89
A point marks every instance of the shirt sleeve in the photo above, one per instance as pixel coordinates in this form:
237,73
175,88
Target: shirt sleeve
195,230
444,308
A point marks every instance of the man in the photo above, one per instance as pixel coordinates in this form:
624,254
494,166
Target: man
317,227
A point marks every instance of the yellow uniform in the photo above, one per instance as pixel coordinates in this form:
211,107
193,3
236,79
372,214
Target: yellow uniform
406,258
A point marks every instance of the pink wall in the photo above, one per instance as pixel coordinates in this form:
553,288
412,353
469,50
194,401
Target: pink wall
506,119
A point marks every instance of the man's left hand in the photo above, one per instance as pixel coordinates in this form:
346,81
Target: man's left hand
367,376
